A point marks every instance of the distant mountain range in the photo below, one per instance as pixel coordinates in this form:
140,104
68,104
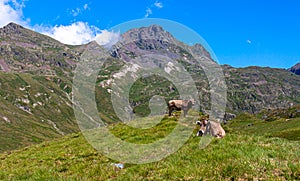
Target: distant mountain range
36,82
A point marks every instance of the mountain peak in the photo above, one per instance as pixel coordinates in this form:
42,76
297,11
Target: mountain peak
17,33
13,29
154,32
295,69
12,26
155,28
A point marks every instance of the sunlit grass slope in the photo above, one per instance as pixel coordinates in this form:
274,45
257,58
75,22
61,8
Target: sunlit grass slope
237,156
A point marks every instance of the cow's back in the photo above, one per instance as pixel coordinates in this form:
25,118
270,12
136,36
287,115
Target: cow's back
216,129
176,103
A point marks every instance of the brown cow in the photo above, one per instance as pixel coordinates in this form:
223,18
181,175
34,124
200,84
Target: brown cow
179,105
210,127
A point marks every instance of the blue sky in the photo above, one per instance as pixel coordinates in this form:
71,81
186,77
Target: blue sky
240,32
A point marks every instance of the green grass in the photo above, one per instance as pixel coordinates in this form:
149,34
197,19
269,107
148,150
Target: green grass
280,127
237,156
46,101
144,136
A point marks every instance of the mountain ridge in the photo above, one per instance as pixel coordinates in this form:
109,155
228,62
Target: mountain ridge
295,69
47,56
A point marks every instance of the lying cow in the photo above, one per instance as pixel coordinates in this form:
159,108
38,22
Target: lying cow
210,127
178,105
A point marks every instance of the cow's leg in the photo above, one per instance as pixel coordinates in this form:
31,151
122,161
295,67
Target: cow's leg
170,111
184,112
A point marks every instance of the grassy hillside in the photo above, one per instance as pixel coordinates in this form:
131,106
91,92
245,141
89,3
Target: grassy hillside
283,123
33,109
237,156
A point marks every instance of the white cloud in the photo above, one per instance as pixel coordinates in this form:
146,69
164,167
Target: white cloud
75,12
11,11
74,34
148,12
158,4
107,38
85,6
249,41
80,33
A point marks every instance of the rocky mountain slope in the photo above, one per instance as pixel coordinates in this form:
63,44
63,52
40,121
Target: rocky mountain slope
36,79
295,69
249,89
252,89
23,50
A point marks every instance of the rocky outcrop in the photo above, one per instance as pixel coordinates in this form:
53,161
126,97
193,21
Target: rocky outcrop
252,89
295,69
23,50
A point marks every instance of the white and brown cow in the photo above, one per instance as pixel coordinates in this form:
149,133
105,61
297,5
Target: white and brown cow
178,105
210,127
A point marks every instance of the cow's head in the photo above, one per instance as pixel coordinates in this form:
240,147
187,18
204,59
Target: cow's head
202,125
210,127
191,103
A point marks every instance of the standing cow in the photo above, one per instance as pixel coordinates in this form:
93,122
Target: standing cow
210,127
178,105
